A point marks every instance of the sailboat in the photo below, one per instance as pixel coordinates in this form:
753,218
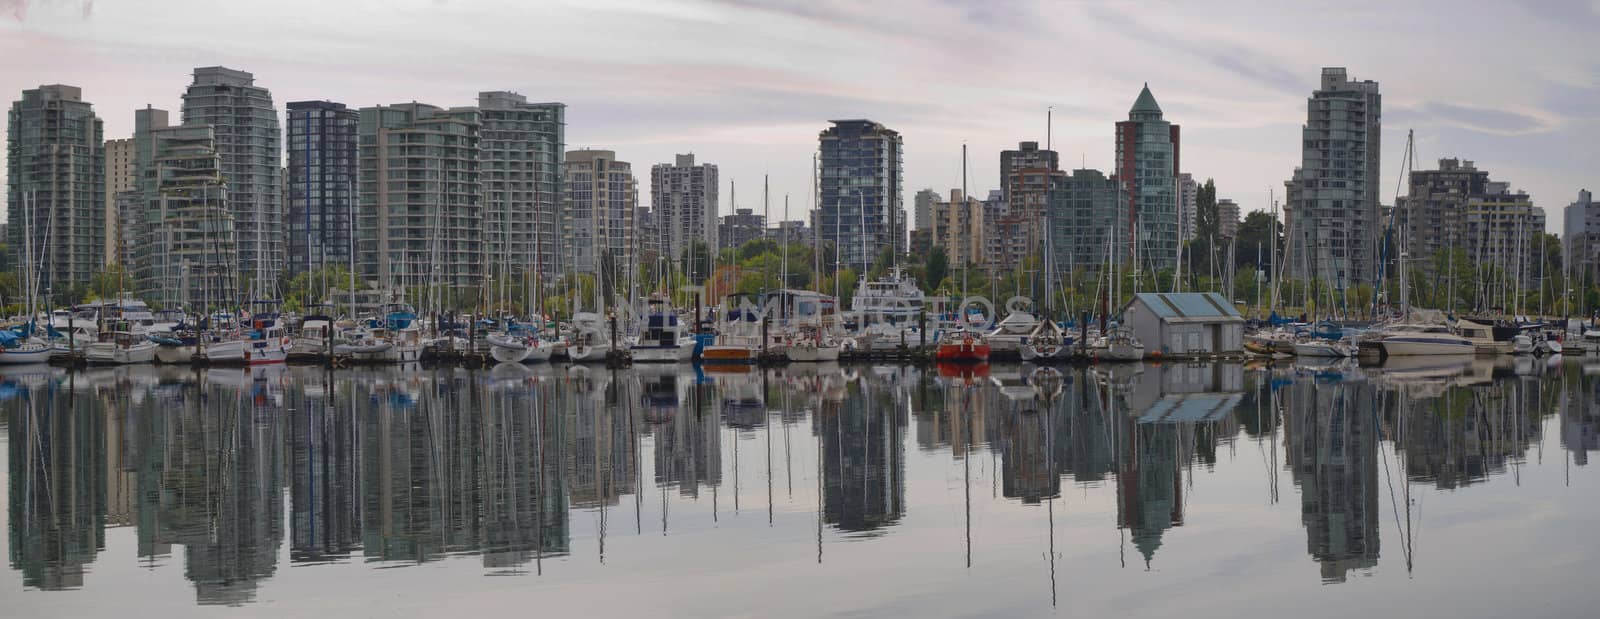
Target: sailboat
963,344
17,349
811,339
739,339
589,339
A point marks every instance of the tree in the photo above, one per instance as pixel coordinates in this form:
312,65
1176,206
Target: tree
1205,210
935,268
1259,236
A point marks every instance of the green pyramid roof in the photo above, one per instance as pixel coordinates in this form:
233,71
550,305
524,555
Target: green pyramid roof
1146,103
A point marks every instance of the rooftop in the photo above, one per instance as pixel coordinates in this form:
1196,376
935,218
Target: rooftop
1188,305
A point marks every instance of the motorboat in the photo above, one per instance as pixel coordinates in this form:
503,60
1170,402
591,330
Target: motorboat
893,298
314,340
1416,339
662,338
1488,336
120,346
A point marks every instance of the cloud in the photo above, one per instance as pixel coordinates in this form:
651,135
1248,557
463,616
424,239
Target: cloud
1251,64
16,9
1486,120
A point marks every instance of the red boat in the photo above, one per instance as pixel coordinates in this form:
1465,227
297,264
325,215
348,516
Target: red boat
962,346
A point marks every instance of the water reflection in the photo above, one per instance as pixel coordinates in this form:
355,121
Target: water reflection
419,465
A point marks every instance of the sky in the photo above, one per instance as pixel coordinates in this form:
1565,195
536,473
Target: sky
747,84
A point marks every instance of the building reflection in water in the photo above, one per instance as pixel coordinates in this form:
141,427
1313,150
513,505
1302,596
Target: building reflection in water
683,415
1168,417
57,484
325,465
862,447
406,466
1331,448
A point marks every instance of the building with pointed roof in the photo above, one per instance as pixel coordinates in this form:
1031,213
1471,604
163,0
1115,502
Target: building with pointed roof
1147,171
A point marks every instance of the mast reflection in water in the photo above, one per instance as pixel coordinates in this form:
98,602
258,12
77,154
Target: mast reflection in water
190,475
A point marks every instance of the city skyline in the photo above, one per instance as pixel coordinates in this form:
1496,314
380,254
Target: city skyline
747,84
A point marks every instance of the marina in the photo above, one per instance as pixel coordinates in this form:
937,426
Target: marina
956,489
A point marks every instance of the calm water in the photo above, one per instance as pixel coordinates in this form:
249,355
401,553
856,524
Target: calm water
1205,490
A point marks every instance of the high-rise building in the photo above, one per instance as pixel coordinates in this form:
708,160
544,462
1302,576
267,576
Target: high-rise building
959,229
684,196
1498,229
1432,213
131,217
324,165
860,207
1025,178
1147,167
249,141
1188,196
1332,212
922,209
1086,216
1457,206
420,220
55,188
522,145
600,195
1580,235
743,226
1227,219
121,176
185,248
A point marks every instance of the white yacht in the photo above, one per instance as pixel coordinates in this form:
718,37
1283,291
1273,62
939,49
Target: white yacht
886,311
662,338
1418,339
894,296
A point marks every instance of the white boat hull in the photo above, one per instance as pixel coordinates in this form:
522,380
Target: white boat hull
107,353
809,353
25,355
1321,349
308,348
663,354
1410,348
509,353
